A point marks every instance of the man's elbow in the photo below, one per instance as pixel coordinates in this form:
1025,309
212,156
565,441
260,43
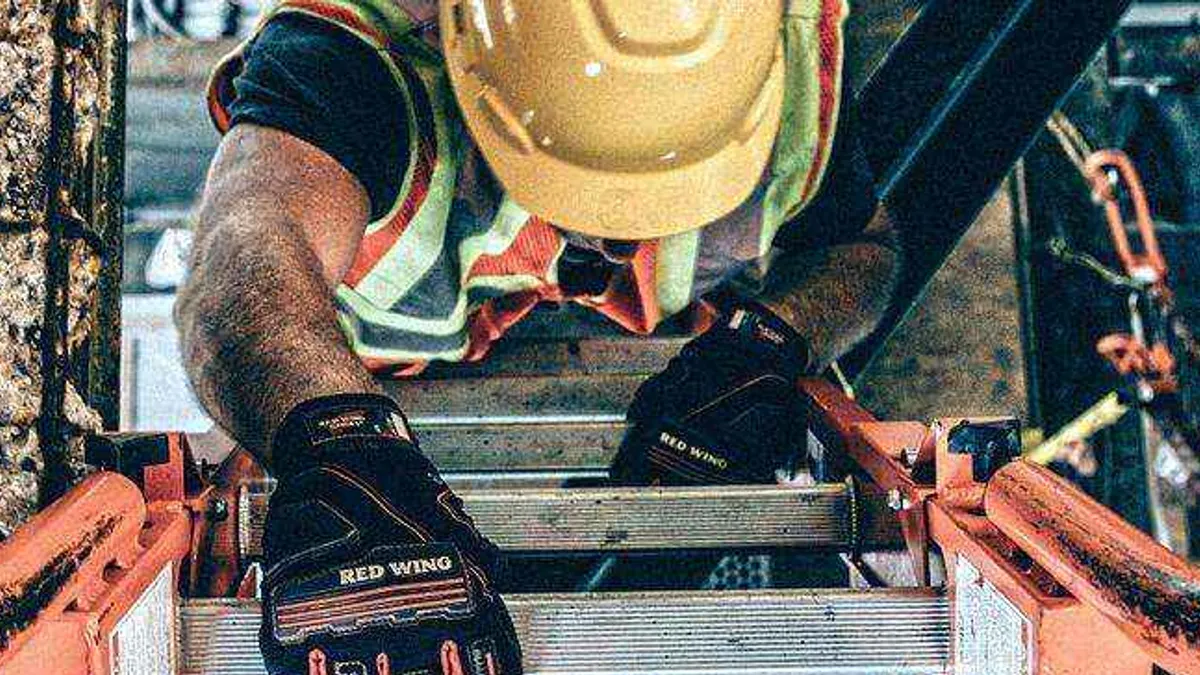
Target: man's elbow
200,302
884,232
192,314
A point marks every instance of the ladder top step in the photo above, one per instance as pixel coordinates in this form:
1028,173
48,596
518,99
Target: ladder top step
694,633
643,519
520,444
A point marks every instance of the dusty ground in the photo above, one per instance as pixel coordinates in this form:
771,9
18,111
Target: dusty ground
959,353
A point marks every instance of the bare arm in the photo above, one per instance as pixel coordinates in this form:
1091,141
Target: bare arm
278,227
835,296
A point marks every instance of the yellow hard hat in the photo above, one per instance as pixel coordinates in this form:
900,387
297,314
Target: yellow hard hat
623,119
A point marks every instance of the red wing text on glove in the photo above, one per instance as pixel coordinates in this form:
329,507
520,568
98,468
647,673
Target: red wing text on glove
724,411
372,566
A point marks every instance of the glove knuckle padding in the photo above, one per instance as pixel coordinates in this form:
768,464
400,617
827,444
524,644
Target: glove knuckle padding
724,411
373,567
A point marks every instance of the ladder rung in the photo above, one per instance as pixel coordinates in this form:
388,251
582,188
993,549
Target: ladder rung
642,519
694,633
516,396
598,519
464,481
573,321
520,444
599,355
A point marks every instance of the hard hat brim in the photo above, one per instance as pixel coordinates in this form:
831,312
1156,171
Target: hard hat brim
615,205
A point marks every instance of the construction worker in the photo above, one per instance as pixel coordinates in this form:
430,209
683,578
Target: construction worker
401,181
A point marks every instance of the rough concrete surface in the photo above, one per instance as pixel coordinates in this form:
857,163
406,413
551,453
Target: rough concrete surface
21,295
26,65
28,59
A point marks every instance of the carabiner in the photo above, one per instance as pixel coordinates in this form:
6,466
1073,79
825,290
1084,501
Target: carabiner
1148,266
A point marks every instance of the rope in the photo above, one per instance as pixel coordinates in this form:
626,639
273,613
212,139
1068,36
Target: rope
1074,144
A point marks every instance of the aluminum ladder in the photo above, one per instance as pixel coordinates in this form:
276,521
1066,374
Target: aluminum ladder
547,409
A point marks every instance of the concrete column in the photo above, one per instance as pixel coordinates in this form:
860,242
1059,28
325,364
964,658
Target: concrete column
61,73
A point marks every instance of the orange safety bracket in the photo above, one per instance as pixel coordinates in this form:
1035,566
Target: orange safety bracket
59,557
888,452
70,574
1099,596
1149,593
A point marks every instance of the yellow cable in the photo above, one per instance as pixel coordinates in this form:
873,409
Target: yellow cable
1100,416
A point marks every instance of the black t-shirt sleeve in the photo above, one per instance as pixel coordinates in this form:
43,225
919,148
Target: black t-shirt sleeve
322,84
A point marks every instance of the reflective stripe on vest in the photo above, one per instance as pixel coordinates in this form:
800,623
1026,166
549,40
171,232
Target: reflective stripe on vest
455,263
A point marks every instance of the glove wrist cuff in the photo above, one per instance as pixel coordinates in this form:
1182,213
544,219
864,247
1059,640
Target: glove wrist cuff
325,424
768,336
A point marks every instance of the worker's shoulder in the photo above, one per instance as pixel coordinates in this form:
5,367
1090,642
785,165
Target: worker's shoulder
298,59
304,41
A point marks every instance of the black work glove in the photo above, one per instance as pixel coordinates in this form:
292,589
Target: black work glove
725,411
372,566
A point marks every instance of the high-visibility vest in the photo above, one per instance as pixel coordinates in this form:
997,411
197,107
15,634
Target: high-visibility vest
455,262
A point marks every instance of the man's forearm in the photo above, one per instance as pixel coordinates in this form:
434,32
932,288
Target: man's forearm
257,321
260,335
836,296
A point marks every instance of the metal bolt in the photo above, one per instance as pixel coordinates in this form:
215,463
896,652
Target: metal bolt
218,510
896,501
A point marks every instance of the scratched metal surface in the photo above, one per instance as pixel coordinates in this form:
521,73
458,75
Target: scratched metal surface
639,519
826,632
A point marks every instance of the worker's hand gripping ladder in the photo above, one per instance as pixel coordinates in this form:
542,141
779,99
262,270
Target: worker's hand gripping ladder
1038,578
